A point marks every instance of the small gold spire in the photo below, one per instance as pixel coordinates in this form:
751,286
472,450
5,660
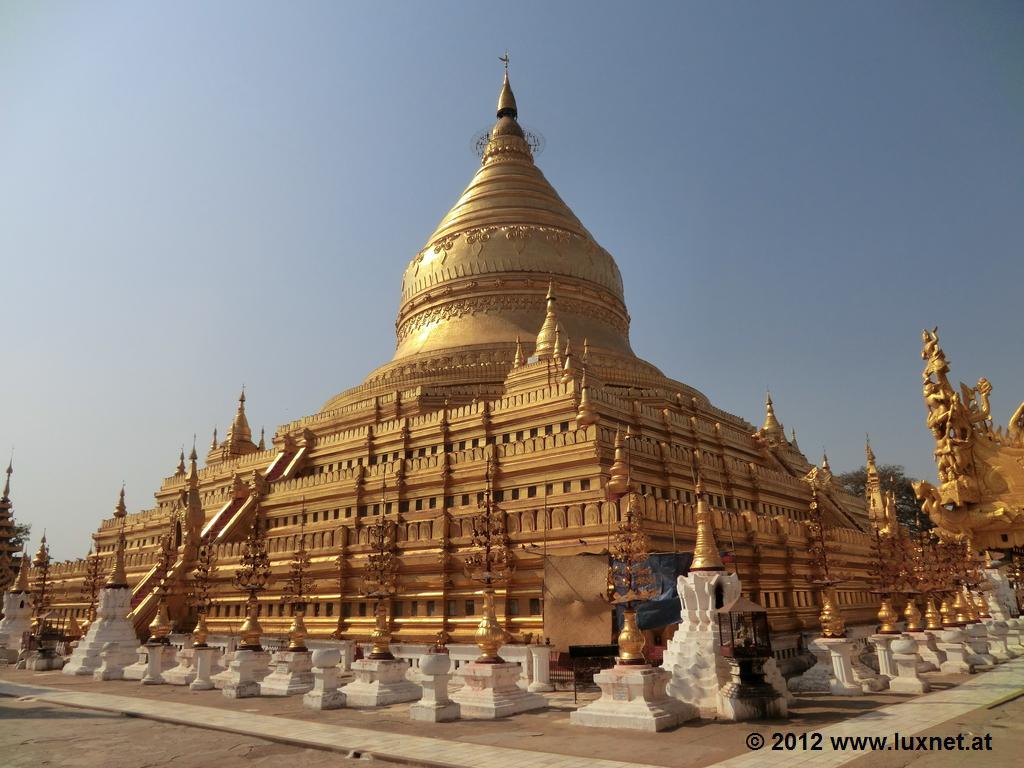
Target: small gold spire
556,353
618,483
120,510
506,99
585,358
585,414
832,624
568,367
824,461
793,442
546,338
117,577
213,444
181,462
21,585
263,443
771,424
519,359
705,549
6,495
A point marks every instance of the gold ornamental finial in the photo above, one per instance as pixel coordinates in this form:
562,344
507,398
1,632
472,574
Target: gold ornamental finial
832,624
705,549
518,361
869,454
21,585
585,358
213,444
569,367
117,577
506,99
6,495
585,414
824,461
618,482
792,441
181,462
120,510
547,338
771,424
263,442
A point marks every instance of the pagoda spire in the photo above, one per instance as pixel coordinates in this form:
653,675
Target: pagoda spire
120,510
193,467
506,99
117,577
6,495
213,444
771,426
21,585
793,442
873,487
181,462
239,431
263,443
705,548
569,367
519,359
547,339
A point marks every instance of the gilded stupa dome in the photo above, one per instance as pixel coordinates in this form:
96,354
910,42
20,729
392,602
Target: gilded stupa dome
481,281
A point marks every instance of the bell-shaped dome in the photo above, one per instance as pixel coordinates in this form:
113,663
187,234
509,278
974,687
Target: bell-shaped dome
483,275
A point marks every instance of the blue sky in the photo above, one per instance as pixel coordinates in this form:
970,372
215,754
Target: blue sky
194,196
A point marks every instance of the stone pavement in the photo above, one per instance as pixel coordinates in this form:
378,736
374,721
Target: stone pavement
548,740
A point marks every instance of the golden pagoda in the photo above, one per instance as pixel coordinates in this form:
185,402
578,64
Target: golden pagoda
512,342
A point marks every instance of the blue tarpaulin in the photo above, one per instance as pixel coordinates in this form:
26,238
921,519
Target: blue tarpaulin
663,609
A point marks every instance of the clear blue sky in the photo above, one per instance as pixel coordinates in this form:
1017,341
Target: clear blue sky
194,196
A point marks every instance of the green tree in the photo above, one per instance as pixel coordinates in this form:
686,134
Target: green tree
894,478
21,532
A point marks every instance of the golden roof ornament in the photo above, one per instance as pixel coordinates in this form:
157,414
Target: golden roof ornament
569,367
21,585
618,482
181,462
120,510
547,337
506,99
832,624
585,414
519,360
705,550
262,446
556,353
793,442
771,426
6,496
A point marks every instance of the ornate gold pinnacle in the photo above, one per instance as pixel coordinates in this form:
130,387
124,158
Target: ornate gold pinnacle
380,638
489,635
251,631
705,550
887,618
932,617
832,624
631,640
912,615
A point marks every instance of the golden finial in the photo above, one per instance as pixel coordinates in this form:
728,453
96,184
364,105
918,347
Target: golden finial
21,585
547,337
556,353
585,414
193,456
506,100
771,424
181,462
824,461
6,495
793,442
869,454
568,368
618,483
832,624
120,510
213,445
518,361
705,549
585,358
263,443
117,577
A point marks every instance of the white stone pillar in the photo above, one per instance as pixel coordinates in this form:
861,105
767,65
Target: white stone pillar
204,667
906,658
154,664
839,649
977,646
244,675
928,650
435,706
325,693
540,661
883,649
997,644
951,643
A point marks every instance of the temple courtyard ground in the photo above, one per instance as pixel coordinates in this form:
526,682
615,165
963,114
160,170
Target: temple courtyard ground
55,719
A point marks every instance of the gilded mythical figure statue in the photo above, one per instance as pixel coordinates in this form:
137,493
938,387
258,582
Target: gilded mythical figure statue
980,469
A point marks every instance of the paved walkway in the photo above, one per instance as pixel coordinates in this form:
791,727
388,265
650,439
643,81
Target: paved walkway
1004,682
907,718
